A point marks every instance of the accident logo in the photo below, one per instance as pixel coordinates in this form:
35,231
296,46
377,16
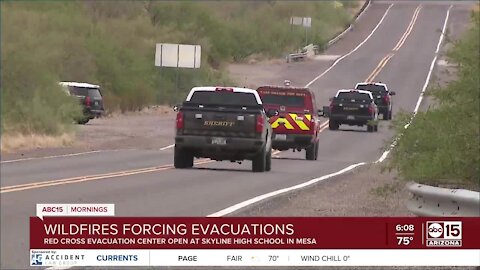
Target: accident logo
443,233
36,259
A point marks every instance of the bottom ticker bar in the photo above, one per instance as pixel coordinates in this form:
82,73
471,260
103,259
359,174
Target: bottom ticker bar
255,257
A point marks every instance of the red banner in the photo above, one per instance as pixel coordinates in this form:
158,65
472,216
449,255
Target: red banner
253,233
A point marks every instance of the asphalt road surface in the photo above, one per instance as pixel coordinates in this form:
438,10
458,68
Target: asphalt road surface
155,189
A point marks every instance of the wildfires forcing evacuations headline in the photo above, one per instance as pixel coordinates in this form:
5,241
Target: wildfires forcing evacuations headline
169,229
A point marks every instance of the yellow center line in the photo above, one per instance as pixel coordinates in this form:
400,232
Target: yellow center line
387,58
87,178
409,29
379,68
399,44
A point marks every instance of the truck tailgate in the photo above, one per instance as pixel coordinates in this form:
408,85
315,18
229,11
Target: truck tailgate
349,108
224,123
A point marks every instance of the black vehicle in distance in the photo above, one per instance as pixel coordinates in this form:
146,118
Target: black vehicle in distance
381,96
354,108
89,96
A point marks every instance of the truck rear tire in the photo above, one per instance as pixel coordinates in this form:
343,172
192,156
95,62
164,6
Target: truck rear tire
370,128
333,125
83,121
182,158
389,115
311,152
259,161
268,162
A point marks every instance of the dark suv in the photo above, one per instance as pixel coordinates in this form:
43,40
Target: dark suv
381,96
89,95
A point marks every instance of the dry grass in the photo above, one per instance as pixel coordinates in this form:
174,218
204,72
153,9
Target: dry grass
15,142
476,8
150,110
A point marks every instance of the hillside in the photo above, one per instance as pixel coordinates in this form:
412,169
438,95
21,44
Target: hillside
113,43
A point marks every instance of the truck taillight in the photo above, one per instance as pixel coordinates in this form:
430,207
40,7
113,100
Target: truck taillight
259,124
179,120
331,106
386,99
87,101
371,109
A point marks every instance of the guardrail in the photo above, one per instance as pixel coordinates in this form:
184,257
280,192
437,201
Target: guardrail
296,57
431,201
307,51
311,49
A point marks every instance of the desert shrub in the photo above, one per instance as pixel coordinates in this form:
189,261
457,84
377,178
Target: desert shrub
442,145
43,42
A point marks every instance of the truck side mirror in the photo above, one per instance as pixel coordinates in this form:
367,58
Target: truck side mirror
176,108
392,93
272,112
330,99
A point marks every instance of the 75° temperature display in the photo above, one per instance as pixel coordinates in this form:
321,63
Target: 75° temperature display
404,234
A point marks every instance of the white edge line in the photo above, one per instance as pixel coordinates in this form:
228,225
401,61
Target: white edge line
424,88
238,206
243,204
349,168
76,154
65,155
337,61
167,147
256,199
352,51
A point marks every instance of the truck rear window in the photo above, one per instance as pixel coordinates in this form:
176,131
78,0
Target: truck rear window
290,101
223,98
375,89
84,91
358,97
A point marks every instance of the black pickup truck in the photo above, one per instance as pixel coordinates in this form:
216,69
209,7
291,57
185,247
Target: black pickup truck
223,124
354,108
381,96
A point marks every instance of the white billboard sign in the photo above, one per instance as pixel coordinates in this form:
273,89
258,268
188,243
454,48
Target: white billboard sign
303,21
178,55
307,22
296,20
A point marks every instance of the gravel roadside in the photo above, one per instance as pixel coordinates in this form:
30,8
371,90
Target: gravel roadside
366,191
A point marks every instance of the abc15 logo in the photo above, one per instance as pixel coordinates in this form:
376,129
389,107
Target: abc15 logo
444,230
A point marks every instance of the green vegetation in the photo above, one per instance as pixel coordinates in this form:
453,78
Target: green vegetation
113,43
442,145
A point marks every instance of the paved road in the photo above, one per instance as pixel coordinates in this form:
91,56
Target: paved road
213,186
